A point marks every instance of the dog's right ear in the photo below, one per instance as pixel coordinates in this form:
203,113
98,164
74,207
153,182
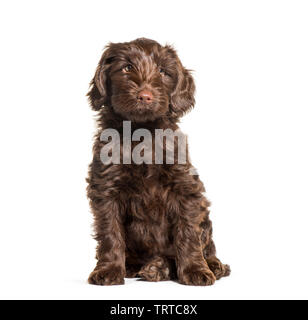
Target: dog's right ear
98,86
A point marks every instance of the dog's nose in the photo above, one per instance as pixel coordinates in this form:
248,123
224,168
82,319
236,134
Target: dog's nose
145,96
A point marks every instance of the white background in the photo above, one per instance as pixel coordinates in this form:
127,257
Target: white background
248,139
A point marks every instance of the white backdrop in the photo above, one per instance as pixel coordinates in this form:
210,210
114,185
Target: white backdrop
248,139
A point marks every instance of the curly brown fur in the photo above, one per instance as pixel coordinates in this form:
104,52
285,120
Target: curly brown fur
158,269
151,220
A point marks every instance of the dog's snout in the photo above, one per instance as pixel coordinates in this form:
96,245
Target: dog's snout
145,96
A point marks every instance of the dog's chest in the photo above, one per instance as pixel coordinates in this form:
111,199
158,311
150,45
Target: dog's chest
148,222
149,196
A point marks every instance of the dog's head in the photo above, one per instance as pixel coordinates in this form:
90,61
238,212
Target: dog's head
142,81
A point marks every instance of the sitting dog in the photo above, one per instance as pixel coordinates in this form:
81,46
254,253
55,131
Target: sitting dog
151,220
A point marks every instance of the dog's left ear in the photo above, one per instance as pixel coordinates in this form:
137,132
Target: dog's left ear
182,98
98,86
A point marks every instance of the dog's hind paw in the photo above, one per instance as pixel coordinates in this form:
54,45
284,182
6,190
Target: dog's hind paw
158,269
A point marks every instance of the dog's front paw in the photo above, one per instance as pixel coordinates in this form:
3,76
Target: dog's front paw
201,277
106,276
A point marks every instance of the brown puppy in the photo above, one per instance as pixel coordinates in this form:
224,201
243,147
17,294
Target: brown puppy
151,220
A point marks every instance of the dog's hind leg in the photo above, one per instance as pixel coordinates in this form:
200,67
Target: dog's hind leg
132,270
218,268
209,251
158,269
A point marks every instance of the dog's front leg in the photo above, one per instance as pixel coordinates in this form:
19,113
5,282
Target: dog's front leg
192,268
110,268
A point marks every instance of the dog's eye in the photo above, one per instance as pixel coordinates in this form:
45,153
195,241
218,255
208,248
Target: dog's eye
127,68
162,71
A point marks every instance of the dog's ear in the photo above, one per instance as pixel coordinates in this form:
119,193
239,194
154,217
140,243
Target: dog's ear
182,98
98,86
